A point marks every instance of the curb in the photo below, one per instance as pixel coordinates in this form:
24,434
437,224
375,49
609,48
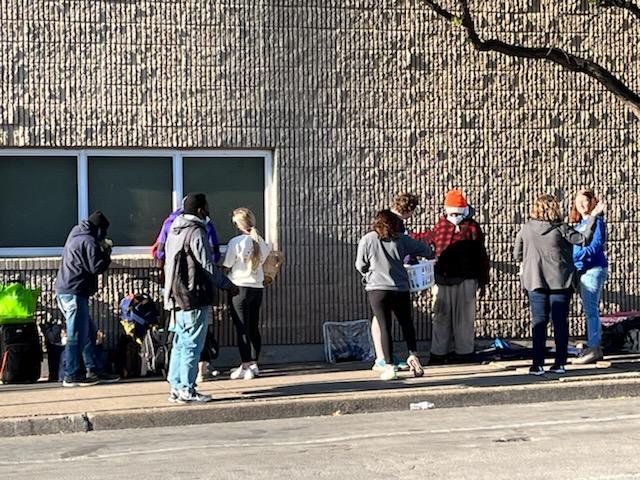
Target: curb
319,405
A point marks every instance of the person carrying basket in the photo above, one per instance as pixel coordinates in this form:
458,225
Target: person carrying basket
380,262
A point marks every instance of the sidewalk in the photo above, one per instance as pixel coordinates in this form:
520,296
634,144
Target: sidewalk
303,390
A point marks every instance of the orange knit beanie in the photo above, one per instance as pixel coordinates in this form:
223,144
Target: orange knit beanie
455,199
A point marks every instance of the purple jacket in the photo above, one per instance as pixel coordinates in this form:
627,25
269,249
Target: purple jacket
158,247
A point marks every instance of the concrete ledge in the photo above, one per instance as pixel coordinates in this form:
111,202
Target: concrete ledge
45,425
325,405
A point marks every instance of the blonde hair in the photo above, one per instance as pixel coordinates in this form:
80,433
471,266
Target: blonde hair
246,220
546,207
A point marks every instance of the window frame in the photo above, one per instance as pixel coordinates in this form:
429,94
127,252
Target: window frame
177,156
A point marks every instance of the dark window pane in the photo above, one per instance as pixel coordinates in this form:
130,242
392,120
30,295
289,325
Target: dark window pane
38,200
134,193
228,182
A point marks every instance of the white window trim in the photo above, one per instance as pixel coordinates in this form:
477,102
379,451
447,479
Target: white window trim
177,156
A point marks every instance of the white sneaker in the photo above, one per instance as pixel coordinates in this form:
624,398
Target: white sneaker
389,373
208,376
241,373
237,373
192,396
254,368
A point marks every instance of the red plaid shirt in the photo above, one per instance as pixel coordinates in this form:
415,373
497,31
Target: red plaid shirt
471,261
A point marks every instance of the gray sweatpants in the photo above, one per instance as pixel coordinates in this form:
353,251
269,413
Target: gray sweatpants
454,314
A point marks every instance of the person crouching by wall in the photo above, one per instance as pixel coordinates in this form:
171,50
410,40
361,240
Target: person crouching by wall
461,269
380,262
544,245
244,258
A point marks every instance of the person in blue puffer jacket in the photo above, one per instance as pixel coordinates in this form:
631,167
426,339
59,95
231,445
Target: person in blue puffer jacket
592,269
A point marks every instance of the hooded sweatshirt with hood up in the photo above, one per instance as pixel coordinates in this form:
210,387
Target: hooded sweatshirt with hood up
546,252
199,245
82,261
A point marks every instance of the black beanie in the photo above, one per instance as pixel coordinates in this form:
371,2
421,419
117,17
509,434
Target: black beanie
193,202
97,219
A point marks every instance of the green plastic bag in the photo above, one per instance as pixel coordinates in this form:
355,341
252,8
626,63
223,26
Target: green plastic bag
17,303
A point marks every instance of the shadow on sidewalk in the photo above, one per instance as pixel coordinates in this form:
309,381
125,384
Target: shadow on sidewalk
447,379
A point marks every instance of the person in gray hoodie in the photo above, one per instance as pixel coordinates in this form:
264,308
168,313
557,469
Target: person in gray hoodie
544,245
190,275
380,261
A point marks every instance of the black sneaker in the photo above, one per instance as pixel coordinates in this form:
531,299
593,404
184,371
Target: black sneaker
437,359
80,382
103,377
536,370
557,369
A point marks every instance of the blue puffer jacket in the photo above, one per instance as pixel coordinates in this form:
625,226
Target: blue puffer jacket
593,254
82,261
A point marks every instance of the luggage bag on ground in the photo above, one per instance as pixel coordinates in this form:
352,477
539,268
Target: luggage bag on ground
20,353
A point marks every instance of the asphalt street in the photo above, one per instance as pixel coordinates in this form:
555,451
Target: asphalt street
563,440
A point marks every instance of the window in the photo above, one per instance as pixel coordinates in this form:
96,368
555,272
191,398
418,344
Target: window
47,192
134,193
228,185
30,186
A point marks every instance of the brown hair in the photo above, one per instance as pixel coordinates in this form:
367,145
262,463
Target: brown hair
574,215
386,224
404,203
546,207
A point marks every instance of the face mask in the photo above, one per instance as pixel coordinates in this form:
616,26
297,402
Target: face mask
455,219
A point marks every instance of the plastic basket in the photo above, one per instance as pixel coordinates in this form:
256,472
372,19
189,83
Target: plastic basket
420,275
348,341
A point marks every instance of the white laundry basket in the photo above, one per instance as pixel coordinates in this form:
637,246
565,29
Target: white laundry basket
421,275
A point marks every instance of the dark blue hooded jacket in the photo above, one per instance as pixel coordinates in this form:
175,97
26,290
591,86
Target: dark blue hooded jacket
82,261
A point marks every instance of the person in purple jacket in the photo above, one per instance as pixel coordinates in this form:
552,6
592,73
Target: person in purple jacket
592,270
158,247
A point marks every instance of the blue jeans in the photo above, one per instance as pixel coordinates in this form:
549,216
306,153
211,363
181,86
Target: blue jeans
191,332
81,335
554,304
591,283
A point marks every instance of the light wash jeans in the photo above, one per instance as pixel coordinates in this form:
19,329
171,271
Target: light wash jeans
591,283
81,335
191,332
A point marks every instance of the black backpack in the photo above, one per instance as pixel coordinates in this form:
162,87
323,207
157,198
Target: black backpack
21,353
191,287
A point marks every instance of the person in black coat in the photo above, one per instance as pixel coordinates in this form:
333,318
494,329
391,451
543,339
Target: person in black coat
87,254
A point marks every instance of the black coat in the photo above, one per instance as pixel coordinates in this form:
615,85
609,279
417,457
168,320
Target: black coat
82,261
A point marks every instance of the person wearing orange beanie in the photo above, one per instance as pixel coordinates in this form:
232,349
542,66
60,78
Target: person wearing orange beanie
462,267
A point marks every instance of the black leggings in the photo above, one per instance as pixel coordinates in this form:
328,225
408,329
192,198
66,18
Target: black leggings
383,304
245,312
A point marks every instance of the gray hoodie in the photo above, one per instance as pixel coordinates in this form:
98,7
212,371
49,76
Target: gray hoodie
546,252
380,262
201,250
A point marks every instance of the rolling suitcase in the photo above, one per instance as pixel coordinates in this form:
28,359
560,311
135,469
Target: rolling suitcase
20,353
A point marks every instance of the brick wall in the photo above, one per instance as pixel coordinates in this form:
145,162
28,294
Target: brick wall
358,100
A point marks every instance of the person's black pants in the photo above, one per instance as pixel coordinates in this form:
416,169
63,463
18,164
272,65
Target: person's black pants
384,303
245,312
552,304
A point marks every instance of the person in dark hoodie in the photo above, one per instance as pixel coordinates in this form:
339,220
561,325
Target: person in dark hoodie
190,275
544,245
87,254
